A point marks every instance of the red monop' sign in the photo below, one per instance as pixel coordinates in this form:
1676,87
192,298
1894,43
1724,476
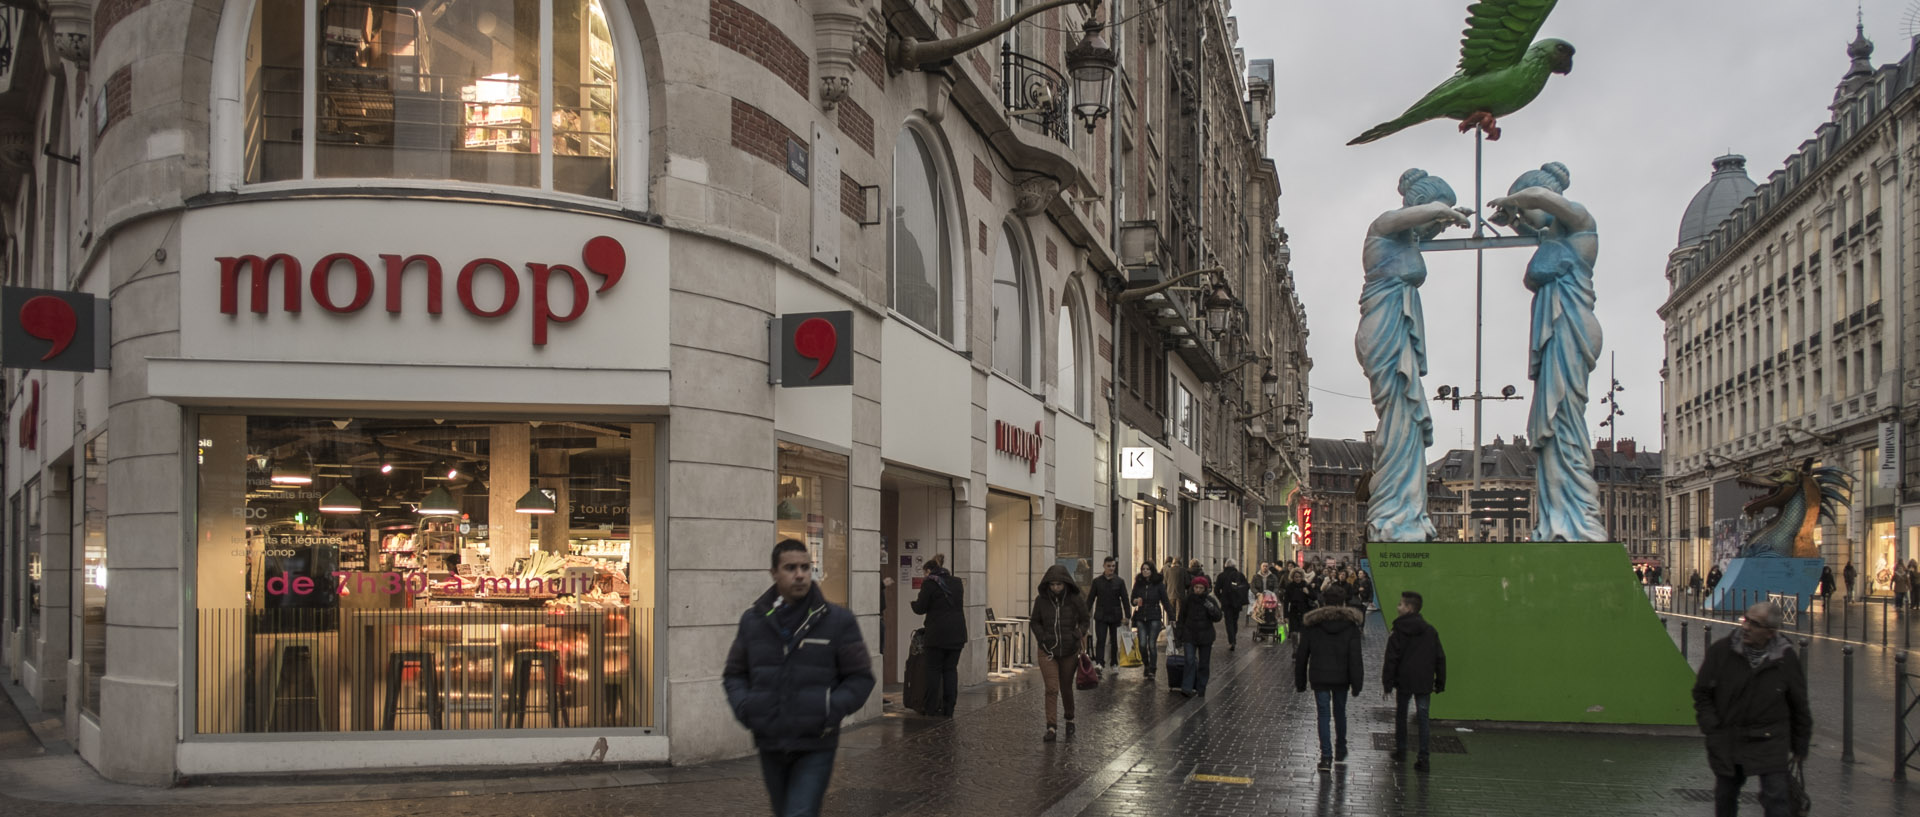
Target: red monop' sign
603,256
1021,443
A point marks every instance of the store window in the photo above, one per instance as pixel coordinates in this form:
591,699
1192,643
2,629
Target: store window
420,574
812,507
1073,545
1012,307
1068,369
921,241
93,579
433,91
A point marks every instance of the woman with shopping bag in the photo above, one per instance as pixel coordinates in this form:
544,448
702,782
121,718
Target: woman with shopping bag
1150,601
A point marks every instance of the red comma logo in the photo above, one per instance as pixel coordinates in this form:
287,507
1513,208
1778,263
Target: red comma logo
606,258
815,340
49,319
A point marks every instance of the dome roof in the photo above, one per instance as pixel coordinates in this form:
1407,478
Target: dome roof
1724,191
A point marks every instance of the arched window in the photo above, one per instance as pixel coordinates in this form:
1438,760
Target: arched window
1067,367
498,93
1012,308
921,238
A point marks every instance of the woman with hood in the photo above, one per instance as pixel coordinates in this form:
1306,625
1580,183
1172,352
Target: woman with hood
942,600
1150,600
1826,584
1297,600
1327,655
1059,623
1197,617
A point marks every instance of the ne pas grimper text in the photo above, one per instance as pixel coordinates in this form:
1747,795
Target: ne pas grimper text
346,582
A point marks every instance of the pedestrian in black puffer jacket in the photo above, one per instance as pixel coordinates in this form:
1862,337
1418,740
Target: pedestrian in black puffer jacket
1327,655
1232,595
1414,669
1109,600
943,601
796,668
1149,601
1298,600
1197,616
1059,625
1750,699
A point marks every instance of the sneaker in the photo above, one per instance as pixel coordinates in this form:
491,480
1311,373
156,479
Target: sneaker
1340,753
1326,763
1232,647
1421,764
1069,728
1050,737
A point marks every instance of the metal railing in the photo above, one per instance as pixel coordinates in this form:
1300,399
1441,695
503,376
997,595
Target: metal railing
468,668
1036,93
1906,698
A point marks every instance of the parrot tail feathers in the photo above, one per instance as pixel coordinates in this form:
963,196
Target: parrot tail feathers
1384,130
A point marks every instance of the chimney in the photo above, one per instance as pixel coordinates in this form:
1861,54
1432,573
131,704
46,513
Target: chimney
1629,448
1603,447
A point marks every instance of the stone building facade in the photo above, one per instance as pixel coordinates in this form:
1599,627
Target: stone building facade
413,302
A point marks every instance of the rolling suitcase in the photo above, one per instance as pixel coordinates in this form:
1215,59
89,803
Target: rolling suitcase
1176,669
913,695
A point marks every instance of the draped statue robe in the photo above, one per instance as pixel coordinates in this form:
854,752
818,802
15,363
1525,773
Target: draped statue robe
1392,346
1564,344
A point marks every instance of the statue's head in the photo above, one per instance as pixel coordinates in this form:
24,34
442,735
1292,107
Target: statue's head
1416,188
1552,176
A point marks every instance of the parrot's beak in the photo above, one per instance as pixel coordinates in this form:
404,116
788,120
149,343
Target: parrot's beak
1563,64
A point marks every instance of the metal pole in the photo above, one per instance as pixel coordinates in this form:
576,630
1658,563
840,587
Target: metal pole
1846,706
1479,275
1885,611
1900,717
1804,671
1683,639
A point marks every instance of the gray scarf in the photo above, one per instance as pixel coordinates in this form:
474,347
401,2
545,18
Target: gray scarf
1758,655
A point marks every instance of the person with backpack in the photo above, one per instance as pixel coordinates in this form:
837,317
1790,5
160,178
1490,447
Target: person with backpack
1327,655
1414,669
1109,601
1197,616
943,601
1150,600
797,667
1232,597
1058,622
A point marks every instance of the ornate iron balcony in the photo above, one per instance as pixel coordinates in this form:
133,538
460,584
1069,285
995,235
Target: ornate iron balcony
1036,93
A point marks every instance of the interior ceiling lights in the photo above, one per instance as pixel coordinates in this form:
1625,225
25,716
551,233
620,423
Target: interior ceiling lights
438,502
535,501
340,500
288,474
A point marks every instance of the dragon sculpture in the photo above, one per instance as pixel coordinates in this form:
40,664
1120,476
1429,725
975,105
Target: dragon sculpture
1803,497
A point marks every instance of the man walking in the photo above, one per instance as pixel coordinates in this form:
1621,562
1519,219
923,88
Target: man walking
1328,655
1109,602
1847,576
1232,595
797,667
1751,702
1414,669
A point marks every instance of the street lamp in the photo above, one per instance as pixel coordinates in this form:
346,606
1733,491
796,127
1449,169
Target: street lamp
907,54
1091,64
1270,386
1219,307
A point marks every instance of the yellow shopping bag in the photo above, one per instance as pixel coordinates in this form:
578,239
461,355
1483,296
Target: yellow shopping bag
1129,648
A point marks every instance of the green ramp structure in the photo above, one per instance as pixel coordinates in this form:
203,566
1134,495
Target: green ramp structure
1540,632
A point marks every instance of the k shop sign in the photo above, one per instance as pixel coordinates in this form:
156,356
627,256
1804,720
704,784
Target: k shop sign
555,290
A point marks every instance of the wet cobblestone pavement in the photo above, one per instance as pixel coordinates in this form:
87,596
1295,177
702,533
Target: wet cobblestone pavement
1248,748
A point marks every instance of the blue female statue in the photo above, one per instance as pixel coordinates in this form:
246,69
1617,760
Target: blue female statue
1392,347
1564,344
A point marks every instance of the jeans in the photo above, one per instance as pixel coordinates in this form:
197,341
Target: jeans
1336,699
797,781
1057,674
1773,794
1199,667
1149,632
1233,625
943,680
1106,650
1420,702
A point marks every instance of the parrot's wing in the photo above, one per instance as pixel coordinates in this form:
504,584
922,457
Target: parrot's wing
1498,33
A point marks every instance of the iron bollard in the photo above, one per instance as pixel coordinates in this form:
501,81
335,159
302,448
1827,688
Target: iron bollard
1683,639
1846,705
1805,672
1885,610
1826,613
1900,717
1846,620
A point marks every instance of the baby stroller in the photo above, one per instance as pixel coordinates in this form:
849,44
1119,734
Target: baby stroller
1266,618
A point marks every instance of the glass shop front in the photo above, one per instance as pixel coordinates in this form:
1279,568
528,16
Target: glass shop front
419,574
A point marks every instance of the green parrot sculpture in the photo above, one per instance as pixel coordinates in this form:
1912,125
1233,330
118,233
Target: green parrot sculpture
1499,72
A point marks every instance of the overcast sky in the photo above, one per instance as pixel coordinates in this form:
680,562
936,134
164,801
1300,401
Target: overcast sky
1658,89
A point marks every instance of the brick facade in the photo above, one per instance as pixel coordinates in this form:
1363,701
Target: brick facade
856,123
119,95
739,28
110,12
853,205
758,133
872,62
983,178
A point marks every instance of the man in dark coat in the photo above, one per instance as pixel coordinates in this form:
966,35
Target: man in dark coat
1848,575
943,601
1414,669
1327,655
1232,595
1751,702
1298,600
1197,616
1109,600
797,667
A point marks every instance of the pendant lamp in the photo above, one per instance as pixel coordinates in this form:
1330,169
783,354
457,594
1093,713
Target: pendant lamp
535,501
340,500
438,502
